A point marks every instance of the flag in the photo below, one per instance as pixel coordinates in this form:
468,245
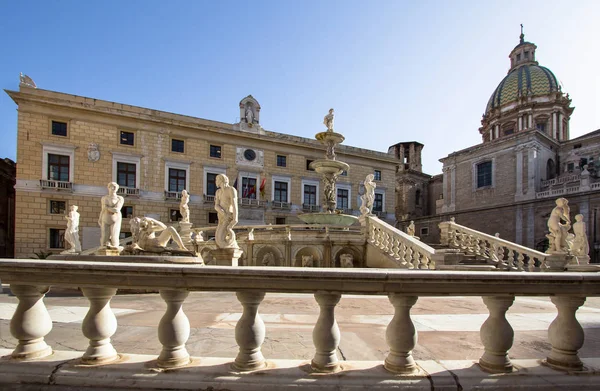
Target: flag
262,188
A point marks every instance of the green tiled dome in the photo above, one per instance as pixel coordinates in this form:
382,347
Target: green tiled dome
526,80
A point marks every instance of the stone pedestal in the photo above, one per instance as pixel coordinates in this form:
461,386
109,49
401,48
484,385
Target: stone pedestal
226,256
112,252
186,234
556,262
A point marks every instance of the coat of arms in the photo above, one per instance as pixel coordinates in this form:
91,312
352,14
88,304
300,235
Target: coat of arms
93,152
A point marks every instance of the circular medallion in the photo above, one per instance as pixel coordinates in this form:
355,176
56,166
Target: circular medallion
249,154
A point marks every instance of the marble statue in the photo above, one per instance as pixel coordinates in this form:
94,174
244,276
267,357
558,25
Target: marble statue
93,152
580,246
72,231
329,192
249,115
152,236
559,231
307,261
346,260
268,259
368,197
328,120
410,230
226,205
184,208
110,218
26,81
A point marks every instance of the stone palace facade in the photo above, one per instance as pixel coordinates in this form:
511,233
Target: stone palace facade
70,147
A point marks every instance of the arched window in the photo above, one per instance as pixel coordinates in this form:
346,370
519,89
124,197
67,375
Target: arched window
550,169
418,197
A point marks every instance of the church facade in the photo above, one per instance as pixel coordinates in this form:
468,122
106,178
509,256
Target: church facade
509,182
69,147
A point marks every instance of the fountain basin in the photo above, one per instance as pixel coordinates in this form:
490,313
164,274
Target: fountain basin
326,137
329,167
328,219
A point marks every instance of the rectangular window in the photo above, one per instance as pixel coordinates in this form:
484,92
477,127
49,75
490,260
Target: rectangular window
541,127
127,138
484,174
424,231
509,131
126,174
310,195
215,151
248,188
378,203
59,128
213,218
280,220
527,55
57,207
127,211
308,165
377,174
211,184
342,198
177,145
57,238
281,161
175,215
519,57
58,167
176,179
281,192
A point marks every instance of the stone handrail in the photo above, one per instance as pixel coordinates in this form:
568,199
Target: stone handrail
409,251
561,179
30,281
504,254
53,184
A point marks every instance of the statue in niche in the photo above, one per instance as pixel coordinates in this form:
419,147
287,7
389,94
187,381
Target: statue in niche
93,153
346,260
184,208
72,231
26,81
559,231
152,236
580,246
249,115
307,261
226,205
110,218
368,197
328,120
268,259
410,230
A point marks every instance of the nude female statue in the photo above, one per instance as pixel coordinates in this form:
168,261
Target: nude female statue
110,217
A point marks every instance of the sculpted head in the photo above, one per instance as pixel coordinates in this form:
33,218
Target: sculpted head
222,181
112,187
370,178
184,192
579,217
346,260
307,261
74,208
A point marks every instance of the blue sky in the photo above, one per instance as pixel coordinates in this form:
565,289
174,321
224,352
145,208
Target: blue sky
393,70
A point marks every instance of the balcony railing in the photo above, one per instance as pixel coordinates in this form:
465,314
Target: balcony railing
128,191
280,205
99,281
380,213
311,207
172,195
209,198
56,185
250,202
561,179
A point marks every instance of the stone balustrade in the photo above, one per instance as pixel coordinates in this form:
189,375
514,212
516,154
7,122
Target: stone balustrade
30,281
410,252
504,254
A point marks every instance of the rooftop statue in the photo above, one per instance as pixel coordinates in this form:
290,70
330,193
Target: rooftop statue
328,120
110,218
72,231
226,205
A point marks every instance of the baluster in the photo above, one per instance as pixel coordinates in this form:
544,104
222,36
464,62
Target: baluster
401,335
454,238
511,259
409,257
416,259
326,334
173,330
531,263
396,248
30,322
250,332
502,264
424,261
497,335
477,246
99,325
393,246
520,261
565,334
402,254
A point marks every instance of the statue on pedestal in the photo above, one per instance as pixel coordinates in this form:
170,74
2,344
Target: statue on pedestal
145,230
72,231
110,218
559,231
184,208
226,205
580,246
268,259
328,120
368,197
410,230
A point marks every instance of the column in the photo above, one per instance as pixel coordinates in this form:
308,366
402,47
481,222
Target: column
532,172
497,335
497,131
401,335
519,224
401,154
519,173
445,183
99,325
326,334
565,334
250,332
173,330
411,155
530,116
453,187
30,322
560,127
520,123
491,133
554,125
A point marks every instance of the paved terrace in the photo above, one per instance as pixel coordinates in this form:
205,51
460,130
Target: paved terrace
448,328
